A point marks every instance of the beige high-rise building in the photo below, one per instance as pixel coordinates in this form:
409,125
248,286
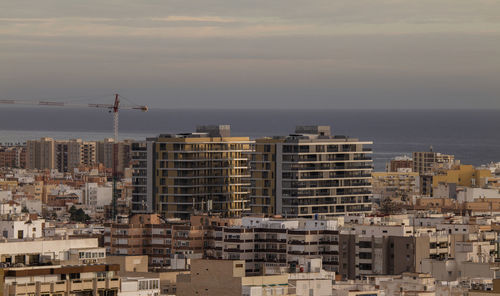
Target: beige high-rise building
70,154
206,171
104,153
427,163
88,153
63,155
311,173
400,186
40,154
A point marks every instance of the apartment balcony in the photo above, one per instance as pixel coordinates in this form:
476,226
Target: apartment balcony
303,253
43,288
113,283
58,287
88,284
270,240
296,242
22,289
328,242
329,252
270,250
362,158
80,285
489,236
235,250
101,284
236,240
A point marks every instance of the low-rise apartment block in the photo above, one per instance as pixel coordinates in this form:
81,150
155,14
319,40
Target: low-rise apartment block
265,242
61,280
228,277
401,186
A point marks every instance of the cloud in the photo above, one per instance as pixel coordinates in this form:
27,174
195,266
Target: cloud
239,53
222,18
204,19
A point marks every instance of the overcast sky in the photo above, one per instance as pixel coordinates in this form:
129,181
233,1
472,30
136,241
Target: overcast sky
256,53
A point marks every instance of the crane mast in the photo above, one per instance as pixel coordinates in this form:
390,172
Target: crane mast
114,205
116,107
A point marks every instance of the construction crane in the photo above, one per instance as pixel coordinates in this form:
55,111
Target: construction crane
113,108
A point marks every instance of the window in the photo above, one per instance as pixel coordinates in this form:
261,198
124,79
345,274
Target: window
74,276
365,244
365,255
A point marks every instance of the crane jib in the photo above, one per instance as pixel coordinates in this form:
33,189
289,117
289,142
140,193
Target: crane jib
48,103
100,106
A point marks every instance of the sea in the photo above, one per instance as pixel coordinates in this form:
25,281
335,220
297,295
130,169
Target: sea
473,136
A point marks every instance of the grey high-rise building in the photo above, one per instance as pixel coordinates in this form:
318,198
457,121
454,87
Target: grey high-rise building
311,173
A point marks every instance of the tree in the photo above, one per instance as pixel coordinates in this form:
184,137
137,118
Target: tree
25,210
78,215
389,207
72,210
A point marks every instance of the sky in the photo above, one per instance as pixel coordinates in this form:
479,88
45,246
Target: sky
259,54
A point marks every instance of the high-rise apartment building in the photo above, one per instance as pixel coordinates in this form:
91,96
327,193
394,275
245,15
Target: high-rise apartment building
63,155
88,153
40,154
311,173
426,164
400,163
206,171
142,154
104,153
13,156
71,154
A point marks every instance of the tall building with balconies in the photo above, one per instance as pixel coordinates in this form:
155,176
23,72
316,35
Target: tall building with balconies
311,173
40,154
427,163
105,155
70,154
206,171
142,153
63,155
13,156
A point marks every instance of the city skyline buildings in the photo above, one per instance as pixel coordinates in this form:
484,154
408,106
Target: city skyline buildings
364,159
306,174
